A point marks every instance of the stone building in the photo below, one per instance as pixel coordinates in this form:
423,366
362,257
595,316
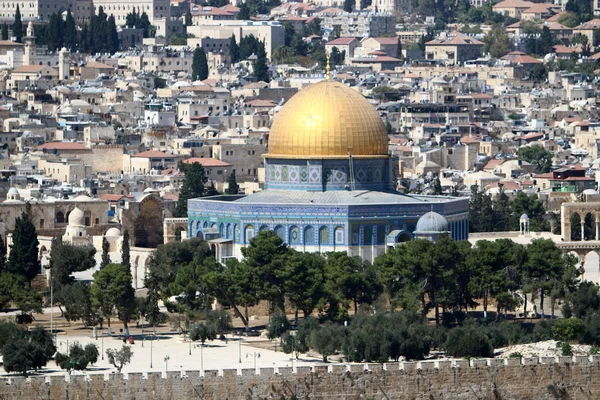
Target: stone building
328,185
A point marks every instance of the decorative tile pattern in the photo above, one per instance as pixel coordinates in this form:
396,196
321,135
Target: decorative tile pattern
314,174
284,173
294,174
303,174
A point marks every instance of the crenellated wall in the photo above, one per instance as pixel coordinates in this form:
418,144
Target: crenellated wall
501,379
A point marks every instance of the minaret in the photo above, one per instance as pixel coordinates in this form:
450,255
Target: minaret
29,56
64,61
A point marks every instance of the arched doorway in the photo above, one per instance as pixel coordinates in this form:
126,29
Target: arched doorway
148,226
575,227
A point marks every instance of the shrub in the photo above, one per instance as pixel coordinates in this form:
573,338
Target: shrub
568,330
469,342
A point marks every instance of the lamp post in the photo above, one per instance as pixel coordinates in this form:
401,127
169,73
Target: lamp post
255,355
240,351
151,342
102,340
167,358
190,340
202,358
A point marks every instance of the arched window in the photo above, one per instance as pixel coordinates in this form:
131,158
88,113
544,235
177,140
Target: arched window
323,235
60,217
280,232
355,236
205,225
229,234
309,235
294,235
263,228
249,232
339,235
222,230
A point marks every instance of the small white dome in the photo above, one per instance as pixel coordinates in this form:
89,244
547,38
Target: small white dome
524,217
76,218
113,232
432,222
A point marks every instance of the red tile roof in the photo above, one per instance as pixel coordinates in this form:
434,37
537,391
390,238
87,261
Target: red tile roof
62,146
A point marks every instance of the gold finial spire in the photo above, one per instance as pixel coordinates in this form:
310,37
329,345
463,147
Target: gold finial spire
328,68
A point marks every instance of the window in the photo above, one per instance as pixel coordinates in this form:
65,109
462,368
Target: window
323,235
280,232
309,235
339,235
96,221
42,223
60,218
249,233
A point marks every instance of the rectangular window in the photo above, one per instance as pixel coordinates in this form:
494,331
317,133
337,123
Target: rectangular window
41,223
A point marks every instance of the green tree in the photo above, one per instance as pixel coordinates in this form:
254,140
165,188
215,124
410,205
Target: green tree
545,41
18,26
199,65
5,31
581,8
119,358
26,350
468,342
302,280
327,340
299,343
77,301
244,13
111,35
523,203
70,32
569,19
260,64
105,256
278,325
23,259
496,42
582,301
265,256
481,212
234,50
203,332
232,185
568,330
78,358
193,186
350,279
3,261
188,19
112,290
125,252
349,5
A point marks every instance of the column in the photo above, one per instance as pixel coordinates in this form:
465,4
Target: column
582,230
597,229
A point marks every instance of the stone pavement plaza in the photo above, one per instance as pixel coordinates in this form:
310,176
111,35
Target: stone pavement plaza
215,355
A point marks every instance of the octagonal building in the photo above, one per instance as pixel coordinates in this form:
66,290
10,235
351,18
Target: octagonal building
328,185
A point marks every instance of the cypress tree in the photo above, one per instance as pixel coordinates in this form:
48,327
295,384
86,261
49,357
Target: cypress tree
349,5
2,254
5,32
188,19
70,32
112,35
244,11
105,257
199,65
52,34
193,186
232,187
144,23
260,65
23,259
125,256
234,50
18,25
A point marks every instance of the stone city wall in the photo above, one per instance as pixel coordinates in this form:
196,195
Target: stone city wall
501,379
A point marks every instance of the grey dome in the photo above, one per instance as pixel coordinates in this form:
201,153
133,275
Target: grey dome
524,216
432,222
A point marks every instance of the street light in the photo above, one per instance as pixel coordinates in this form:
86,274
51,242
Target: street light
102,338
255,355
240,351
151,342
167,358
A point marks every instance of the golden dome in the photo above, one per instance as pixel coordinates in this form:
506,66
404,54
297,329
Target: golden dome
328,120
